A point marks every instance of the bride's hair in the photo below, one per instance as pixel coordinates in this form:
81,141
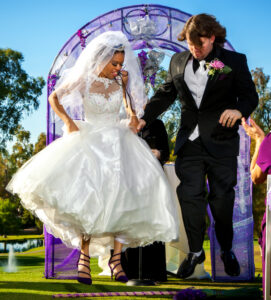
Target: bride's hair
106,57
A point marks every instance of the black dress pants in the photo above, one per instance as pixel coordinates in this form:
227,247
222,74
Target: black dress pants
193,166
153,262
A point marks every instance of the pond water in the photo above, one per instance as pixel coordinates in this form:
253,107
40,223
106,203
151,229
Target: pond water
20,246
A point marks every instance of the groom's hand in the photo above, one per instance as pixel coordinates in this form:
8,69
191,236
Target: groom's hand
141,124
229,117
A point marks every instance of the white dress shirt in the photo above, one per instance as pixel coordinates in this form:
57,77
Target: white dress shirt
196,83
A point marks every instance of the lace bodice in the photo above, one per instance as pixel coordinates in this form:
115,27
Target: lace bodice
102,101
100,97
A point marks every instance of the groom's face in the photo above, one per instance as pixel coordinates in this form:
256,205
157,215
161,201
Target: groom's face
201,51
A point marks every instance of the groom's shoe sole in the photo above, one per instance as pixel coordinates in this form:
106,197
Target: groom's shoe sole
187,267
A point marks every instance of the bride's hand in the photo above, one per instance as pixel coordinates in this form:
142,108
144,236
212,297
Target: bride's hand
125,77
133,124
71,127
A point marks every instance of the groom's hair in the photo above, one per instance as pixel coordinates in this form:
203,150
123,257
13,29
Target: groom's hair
203,25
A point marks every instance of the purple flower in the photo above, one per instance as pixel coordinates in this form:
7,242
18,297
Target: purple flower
52,80
190,294
82,38
143,60
79,33
53,76
152,79
217,64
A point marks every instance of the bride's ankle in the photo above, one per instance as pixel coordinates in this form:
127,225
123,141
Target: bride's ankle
84,258
84,254
116,256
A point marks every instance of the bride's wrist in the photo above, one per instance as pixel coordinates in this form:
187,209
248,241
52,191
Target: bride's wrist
68,122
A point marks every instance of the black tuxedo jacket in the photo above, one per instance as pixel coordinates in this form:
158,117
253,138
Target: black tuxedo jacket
155,135
234,90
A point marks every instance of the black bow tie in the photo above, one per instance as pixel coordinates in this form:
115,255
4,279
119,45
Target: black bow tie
196,64
208,59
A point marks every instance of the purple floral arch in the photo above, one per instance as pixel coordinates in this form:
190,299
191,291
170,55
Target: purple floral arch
149,26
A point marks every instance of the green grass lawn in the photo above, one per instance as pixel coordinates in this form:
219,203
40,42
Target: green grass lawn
28,282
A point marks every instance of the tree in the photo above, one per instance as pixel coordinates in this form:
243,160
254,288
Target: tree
41,143
262,114
3,174
22,151
18,93
171,117
9,220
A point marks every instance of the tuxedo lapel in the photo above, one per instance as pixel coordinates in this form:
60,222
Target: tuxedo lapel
181,64
211,79
210,83
181,69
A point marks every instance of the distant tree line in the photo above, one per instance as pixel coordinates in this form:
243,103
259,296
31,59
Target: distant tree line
19,95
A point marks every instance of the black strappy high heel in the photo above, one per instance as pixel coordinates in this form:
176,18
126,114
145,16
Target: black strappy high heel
84,279
121,278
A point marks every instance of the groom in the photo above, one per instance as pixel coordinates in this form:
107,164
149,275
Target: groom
216,90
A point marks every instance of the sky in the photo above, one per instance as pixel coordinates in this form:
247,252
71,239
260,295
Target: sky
39,29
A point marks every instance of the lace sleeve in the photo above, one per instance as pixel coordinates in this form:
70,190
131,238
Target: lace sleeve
64,90
71,96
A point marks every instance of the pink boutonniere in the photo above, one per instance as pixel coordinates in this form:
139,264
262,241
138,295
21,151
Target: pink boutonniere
217,66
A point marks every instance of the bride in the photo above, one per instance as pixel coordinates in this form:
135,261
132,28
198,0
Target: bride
99,186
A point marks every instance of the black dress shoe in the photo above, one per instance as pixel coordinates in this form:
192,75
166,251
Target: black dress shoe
231,265
187,267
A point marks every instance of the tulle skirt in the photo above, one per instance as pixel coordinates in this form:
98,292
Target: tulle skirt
101,182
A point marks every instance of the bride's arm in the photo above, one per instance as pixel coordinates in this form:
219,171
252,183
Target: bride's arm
133,118
60,111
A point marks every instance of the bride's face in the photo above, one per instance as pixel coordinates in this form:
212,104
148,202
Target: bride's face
112,69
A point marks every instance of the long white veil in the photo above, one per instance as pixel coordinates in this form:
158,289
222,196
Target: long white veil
70,88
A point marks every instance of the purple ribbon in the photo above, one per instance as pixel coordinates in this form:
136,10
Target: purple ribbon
186,294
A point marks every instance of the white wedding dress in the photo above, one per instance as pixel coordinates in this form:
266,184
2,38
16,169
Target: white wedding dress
101,181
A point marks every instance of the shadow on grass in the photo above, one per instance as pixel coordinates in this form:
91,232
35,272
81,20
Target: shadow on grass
73,286
24,296
248,294
45,290
208,282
